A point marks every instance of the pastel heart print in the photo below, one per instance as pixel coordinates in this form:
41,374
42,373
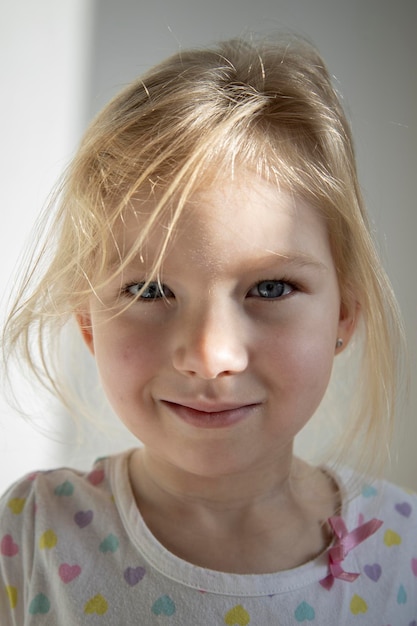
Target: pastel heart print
414,567
83,518
12,595
402,595
391,538
358,605
133,575
368,491
96,477
404,509
237,616
68,573
8,547
96,606
109,544
48,540
65,489
304,613
16,505
40,605
373,571
164,606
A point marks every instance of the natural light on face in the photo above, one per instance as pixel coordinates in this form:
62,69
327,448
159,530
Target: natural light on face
231,352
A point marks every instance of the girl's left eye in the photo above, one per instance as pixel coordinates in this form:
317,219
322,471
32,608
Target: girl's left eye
153,291
271,289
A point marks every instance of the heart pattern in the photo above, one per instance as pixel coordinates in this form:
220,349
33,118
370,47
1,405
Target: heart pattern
391,538
96,477
358,605
16,505
404,509
402,595
8,547
97,605
237,616
164,606
83,518
368,491
40,605
373,572
304,612
12,596
48,540
68,573
109,544
133,575
65,489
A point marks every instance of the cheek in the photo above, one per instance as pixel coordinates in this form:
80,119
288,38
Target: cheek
300,362
315,366
126,364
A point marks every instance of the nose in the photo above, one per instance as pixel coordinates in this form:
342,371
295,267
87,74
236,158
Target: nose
210,343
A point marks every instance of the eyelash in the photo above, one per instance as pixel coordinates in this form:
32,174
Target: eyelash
273,282
161,291
160,288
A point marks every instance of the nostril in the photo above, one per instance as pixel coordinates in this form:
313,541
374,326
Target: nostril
209,359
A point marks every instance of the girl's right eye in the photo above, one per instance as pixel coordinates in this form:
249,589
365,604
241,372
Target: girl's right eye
153,291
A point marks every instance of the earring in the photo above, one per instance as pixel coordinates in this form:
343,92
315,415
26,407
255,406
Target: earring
339,343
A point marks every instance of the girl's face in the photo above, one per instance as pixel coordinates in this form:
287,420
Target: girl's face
221,373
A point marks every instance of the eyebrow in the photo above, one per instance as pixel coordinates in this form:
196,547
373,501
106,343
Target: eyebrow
292,259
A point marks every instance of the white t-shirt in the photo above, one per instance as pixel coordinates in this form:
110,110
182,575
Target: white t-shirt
74,550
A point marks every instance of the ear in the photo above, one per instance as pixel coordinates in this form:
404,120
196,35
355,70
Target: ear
349,313
83,319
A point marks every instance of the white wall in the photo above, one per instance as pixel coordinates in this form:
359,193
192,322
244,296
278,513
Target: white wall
65,59
43,67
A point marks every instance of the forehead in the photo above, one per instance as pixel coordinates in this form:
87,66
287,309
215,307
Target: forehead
233,217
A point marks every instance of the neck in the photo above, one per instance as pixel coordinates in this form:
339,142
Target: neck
159,479
269,519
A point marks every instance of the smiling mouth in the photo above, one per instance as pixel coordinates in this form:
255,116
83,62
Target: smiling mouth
215,416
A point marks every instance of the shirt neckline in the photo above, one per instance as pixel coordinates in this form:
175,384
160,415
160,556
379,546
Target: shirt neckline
199,578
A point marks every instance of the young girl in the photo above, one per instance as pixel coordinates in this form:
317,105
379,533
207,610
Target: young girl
211,243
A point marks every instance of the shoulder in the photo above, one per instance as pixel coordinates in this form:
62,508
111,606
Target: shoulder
374,496
396,508
383,499
380,558
42,498
51,520
52,486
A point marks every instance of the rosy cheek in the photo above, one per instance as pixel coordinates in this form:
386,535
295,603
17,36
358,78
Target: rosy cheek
139,355
315,375
301,359
135,355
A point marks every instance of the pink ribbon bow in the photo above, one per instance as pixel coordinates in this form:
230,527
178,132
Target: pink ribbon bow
346,541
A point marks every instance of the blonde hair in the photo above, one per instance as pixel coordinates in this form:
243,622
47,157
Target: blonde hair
269,106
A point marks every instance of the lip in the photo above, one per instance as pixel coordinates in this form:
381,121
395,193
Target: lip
206,415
